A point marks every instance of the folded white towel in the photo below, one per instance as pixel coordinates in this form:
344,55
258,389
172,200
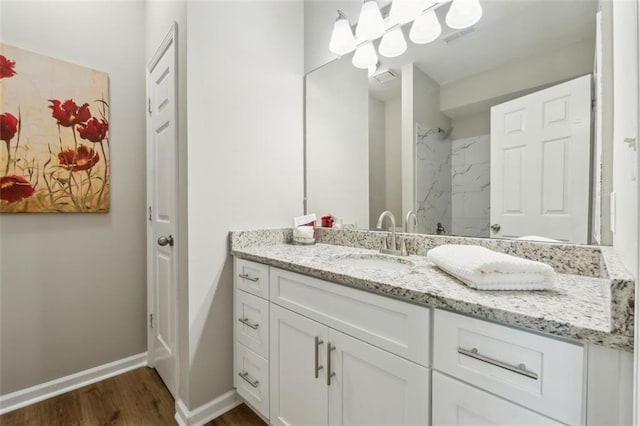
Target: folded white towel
485,269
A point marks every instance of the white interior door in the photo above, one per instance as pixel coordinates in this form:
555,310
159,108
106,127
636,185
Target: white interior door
540,158
161,195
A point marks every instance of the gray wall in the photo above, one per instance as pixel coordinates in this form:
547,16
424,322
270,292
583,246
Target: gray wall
377,169
73,286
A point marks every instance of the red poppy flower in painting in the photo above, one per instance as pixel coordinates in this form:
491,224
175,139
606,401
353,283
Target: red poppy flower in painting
8,126
68,113
95,130
14,188
83,158
6,67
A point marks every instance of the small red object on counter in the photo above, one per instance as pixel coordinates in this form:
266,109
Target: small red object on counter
327,221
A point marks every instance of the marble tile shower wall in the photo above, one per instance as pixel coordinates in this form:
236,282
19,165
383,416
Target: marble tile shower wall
470,198
433,180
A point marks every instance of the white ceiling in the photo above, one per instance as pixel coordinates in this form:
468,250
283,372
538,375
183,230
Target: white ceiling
509,30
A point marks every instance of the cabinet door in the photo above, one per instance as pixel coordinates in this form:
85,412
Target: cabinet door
456,403
373,387
298,397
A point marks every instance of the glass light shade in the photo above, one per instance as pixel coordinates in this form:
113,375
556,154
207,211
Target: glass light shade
425,28
393,43
370,25
365,56
463,13
342,40
403,11
372,70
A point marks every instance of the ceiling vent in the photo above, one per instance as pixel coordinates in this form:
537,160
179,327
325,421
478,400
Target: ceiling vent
385,76
457,36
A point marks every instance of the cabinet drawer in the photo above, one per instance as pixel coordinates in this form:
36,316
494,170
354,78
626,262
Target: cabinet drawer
252,379
399,327
251,277
541,373
456,403
252,322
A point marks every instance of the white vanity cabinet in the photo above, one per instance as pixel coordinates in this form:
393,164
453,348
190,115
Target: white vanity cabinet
321,376
337,355
541,373
457,403
311,352
251,333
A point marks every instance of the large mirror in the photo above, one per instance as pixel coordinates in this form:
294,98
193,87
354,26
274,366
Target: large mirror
491,131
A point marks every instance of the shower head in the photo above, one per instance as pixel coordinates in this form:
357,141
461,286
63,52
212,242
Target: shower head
445,133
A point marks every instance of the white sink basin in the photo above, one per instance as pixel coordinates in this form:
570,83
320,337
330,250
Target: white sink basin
373,261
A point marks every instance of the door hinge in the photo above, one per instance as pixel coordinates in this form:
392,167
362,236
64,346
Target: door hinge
150,214
149,106
150,320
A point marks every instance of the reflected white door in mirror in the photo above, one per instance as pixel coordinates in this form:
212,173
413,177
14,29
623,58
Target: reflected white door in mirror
540,146
340,356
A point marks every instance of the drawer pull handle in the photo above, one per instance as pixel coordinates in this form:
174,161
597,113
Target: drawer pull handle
248,379
520,369
330,348
246,322
318,367
248,277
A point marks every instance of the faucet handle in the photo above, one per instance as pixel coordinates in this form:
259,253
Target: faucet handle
383,244
403,248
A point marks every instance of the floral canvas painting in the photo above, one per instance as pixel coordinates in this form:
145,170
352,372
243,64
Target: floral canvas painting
54,132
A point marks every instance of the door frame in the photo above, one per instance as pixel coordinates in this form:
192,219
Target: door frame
169,40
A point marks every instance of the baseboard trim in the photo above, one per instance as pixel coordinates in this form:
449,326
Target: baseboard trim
22,398
207,412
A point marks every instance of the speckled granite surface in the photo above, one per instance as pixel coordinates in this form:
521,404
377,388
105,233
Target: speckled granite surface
580,307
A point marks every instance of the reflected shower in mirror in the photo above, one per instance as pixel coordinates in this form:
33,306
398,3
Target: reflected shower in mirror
488,131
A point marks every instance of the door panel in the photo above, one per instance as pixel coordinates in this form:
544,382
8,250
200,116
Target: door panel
540,156
297,396
456,403
374,387
161,195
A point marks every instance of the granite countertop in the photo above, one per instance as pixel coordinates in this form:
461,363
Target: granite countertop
579,307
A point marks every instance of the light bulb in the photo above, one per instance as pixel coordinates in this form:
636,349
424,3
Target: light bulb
342,40
365,56
393,43
370,25
463,13
425,28
403,11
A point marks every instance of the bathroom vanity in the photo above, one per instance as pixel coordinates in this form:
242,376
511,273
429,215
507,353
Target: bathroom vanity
337,333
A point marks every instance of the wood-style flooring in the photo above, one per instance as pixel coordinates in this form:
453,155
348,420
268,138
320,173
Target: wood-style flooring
136,398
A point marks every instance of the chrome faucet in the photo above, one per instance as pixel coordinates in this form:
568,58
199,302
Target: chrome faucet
393,249
411,214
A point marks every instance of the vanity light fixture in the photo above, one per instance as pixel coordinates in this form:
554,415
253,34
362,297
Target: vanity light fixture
370,24
393,43
372,69
424,29
403,11
365,56
342,40
463,13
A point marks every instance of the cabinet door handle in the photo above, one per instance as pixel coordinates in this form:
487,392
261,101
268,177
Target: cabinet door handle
248,379
246,322
248,277
318,367
330,348
519,369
